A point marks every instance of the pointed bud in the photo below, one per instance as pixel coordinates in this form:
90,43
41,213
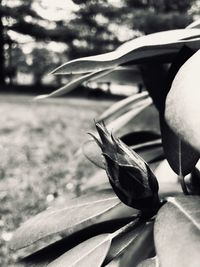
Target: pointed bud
130,176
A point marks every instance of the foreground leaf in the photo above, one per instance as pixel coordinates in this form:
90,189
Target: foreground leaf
143,48
89,253
79,214
140,249
182,103
122,241
180,155
177,232
94,251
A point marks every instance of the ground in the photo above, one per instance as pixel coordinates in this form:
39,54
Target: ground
38,144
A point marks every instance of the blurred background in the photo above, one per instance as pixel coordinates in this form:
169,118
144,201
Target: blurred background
38,35
39,140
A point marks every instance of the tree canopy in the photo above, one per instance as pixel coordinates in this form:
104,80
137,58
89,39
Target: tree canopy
95,27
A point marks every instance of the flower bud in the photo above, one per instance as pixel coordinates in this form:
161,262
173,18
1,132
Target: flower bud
129,175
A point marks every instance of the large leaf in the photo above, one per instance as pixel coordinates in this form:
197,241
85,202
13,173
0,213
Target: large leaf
121,242
140,249
143,48
182,103
181,157
93,251
79,214
89,253
42,257
177,232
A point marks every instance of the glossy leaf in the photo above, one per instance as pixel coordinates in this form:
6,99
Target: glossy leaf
42,257
121,243
79,214
181,157
140,249
177,232
94,250
182,103
143,48
89,253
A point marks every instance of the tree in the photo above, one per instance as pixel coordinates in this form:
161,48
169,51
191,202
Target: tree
153,16
42,63
95,25
21,17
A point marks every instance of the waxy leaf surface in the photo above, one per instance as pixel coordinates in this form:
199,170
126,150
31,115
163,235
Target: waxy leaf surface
79,214
177,232
143,48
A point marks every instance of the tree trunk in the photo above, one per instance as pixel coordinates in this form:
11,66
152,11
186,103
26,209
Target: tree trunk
2,58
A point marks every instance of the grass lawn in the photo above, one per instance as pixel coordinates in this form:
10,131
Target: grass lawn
38,144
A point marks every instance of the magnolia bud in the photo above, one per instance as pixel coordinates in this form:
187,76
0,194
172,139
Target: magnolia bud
129,175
